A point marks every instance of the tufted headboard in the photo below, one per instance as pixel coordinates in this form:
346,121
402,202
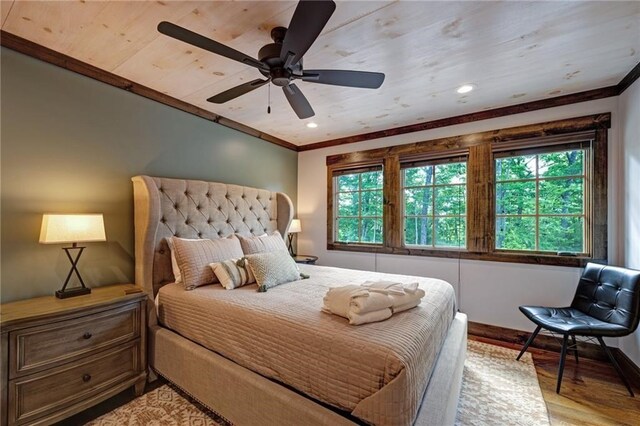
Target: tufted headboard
196,209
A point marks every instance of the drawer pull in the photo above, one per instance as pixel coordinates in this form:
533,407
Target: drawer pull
87,335
86,378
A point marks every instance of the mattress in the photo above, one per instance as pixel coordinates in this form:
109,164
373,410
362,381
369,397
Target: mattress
378,372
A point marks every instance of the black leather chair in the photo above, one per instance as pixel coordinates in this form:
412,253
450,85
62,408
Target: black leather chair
606,304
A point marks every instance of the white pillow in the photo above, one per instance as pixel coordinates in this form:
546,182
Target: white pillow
233,273
263,243
174,263
195,256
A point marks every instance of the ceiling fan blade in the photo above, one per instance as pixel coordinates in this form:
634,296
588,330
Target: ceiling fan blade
298,102
195,39
234,92
363,79
306,25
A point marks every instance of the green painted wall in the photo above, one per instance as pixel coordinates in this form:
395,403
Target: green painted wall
71,144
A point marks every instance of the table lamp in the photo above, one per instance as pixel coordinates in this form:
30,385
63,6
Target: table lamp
294,228
74,229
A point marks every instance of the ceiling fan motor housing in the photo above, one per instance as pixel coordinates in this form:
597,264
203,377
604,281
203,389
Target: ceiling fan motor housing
270,55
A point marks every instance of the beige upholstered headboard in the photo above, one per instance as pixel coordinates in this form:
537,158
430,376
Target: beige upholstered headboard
196,209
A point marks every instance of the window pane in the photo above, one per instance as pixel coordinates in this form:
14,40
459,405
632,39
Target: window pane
418,231
347,230
348,204
418,176
451,173
559,233
371,230
418,201
521,167
451,200
372,180
516,197
451,232
567,163
371,203
561,196
348,182
516,233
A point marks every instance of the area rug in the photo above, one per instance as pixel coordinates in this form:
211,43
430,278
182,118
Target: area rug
496,390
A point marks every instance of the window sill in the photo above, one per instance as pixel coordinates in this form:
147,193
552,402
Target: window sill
535,259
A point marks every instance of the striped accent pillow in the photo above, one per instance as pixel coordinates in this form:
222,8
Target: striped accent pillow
233,273
272,269
194,257
263,243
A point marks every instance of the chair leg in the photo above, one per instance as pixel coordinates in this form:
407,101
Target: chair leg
563,355
575,347
526,345
615,365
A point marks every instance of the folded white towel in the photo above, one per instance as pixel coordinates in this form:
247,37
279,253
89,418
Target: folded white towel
338,299
374,302
404,299
387,287
391,287
381,315
406,306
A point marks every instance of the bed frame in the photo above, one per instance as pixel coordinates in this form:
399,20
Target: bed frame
196,209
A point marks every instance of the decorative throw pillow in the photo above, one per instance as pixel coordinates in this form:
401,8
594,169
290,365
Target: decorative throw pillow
263,243
194,257
233,273
174,263
272,269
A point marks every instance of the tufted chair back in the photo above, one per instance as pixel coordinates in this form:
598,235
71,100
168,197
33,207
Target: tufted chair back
610,294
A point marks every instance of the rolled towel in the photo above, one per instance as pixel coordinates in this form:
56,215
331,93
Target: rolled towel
391,287
338,299
359,319
387,287
399,300
406,306
373,302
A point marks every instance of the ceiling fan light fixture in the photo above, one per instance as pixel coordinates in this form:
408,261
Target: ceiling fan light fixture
465,88
312,125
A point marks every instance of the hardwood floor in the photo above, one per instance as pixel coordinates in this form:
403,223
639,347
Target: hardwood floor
591,394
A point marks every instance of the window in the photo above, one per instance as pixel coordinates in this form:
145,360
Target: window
541,202
358,206
434,200
530,194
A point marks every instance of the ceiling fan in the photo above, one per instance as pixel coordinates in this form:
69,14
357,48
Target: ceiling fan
281,61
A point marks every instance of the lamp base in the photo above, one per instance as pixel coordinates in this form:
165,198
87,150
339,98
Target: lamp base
72,292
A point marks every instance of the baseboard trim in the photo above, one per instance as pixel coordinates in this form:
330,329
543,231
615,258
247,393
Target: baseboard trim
550,343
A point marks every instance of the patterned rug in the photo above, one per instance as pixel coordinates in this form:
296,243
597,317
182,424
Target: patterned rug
496,390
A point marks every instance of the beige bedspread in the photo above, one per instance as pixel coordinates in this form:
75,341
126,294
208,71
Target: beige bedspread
377,372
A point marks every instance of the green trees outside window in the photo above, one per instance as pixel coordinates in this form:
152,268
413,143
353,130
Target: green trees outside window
434,200
540,202
358,201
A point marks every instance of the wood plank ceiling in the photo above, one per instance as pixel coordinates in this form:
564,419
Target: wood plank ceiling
513,52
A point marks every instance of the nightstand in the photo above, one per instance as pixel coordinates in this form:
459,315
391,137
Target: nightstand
305,258
61,356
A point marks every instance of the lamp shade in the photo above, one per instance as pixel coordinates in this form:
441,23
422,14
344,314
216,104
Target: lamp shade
71,228
295,226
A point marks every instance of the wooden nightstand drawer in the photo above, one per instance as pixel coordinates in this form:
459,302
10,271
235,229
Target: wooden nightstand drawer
38,348
39,394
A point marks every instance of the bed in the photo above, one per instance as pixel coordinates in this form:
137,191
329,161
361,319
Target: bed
274,358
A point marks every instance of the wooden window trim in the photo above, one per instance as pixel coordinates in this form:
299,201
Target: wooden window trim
480,149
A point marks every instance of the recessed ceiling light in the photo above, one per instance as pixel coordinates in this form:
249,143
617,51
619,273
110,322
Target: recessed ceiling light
465,88
312,125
